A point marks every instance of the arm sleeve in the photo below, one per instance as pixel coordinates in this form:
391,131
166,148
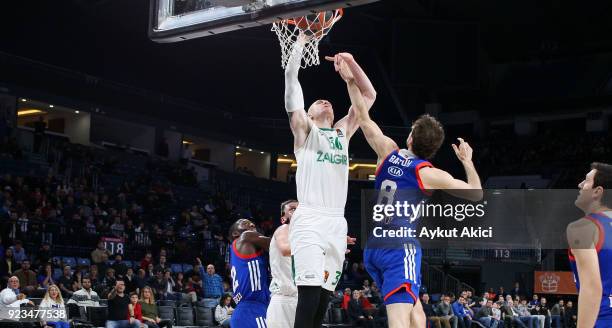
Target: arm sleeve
7,298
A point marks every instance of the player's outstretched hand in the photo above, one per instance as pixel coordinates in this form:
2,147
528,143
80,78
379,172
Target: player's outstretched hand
350,241
463,151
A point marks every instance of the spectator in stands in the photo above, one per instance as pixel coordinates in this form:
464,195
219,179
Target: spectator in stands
150,313
141,279
94,275
469,300
130,281
571,316
150,271
517,290
65,281
485,315
53,300
365,289
19,253
501,291
194,287
497,315
346,298
85,296
431,315
445,311
535,301
542,310
159,285
511,316
10,296
100,255
492,295
109,281
463,314
148,259
118,308
7,265
557,313
223,311
162,265
43,256
27,277
533,321
213,284
135,311
119,267
376,295
45,278
356,313
484,299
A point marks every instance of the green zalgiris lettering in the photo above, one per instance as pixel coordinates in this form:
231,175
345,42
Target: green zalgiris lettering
332,158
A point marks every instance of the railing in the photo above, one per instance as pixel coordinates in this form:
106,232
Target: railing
436,281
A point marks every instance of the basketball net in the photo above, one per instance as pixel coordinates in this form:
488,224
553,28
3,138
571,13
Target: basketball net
315,27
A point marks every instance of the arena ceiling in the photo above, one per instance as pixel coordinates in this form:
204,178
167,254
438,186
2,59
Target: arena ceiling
490,56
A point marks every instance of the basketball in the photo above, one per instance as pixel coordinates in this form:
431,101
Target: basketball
315,24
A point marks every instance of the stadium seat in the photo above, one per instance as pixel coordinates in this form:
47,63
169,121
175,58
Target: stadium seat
166,303
337,316
184,316
57,273
36,301
176,268
187,267
167,313
82,262
69,261
97,315
204,316
73,311
128,263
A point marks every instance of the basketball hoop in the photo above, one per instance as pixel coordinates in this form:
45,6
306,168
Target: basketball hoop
315,27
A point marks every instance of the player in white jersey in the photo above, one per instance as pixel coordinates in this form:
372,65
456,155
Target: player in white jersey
281,311
317,233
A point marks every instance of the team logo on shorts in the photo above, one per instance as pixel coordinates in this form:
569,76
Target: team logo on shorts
325,275
339,132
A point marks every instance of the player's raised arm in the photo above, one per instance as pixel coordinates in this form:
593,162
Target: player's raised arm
582,236
349,122
381,144
256,239
434,178
294,98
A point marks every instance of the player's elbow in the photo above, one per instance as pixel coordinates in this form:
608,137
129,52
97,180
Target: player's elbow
477,195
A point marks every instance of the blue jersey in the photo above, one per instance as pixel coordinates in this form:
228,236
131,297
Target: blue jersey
398,182
604,252
249,277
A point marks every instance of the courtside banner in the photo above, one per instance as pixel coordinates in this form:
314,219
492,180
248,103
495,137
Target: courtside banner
502,224
554,282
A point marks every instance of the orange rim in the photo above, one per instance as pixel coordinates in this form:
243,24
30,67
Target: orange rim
338,13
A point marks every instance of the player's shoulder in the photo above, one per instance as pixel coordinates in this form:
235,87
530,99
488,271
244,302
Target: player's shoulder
582,233
283,229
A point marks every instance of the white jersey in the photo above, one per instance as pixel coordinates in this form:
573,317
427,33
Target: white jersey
322,172
282,273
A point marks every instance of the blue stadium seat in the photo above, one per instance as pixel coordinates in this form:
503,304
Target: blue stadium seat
83,262
57,273
176,268
129,264
187,267
69,261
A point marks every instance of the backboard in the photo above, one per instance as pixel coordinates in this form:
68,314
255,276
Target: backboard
178,20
